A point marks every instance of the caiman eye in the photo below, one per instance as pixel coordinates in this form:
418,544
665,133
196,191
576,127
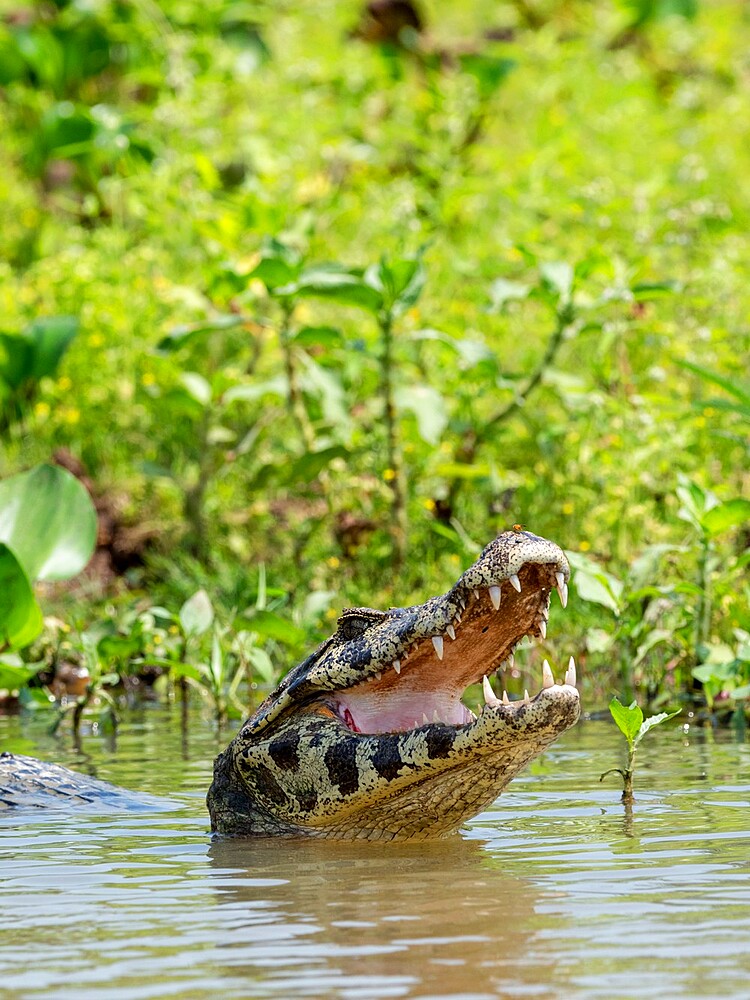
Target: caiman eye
354,622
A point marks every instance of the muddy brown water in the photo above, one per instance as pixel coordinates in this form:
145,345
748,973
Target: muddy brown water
553,892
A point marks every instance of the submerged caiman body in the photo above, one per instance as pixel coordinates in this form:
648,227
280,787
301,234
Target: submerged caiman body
368,738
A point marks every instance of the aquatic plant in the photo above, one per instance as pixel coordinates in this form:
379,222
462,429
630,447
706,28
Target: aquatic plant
634,727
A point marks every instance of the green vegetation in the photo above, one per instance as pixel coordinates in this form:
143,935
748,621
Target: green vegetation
319,311
633,727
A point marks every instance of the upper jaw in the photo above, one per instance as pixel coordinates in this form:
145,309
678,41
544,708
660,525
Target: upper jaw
457,640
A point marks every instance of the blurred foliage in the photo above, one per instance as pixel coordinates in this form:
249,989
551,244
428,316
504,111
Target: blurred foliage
334,301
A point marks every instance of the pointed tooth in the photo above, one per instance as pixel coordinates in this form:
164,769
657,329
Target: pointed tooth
378,675
436,717
451,632
542,628
489,694
562,589
570,673
437,642
397,666
515,582
476,594
511,661
526,696
548,680
560,577
495,593
506,699
425,720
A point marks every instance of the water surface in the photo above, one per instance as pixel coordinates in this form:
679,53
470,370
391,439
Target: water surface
553,892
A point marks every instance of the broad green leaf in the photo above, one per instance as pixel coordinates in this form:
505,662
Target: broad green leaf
726,515
197,386
16,359
503,291
428,406
338,284
50,338
14,676
400,281
272,626
652,721
197,614
741,692
488,71
187,670
558,276
279,265
20,615
48,520
593,584
629,719
277,386
261,663
309,466
318,336
179,336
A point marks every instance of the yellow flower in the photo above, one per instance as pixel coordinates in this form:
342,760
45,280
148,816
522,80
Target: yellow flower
148,378
333,562
429,503
70,415
64,383
389,475
96,340
584,546
41,410
567,507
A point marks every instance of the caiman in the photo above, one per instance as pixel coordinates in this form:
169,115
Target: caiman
368,738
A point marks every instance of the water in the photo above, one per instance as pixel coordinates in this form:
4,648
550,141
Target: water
552,893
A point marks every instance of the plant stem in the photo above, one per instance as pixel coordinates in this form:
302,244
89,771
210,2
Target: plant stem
703,622
399,526
476,438
295,400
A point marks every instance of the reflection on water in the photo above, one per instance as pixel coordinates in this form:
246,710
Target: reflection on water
552,893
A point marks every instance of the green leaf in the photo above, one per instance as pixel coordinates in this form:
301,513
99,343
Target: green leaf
197,614
726,515
309,466
277,386
428,406
557,277
179,336
279,265
217,661
337,284
20,615
654,720
593,584
272,626
50,338
187,670
261,663
14,676
629,720
488,71
503,291
197,387
48,519
733,386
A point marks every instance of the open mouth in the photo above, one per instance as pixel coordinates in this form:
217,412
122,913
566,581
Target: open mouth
476,631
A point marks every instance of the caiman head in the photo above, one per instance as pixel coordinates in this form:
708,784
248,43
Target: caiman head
368,738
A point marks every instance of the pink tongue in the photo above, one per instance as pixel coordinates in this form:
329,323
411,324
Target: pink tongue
373,714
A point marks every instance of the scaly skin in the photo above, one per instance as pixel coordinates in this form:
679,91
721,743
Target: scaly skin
339,750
